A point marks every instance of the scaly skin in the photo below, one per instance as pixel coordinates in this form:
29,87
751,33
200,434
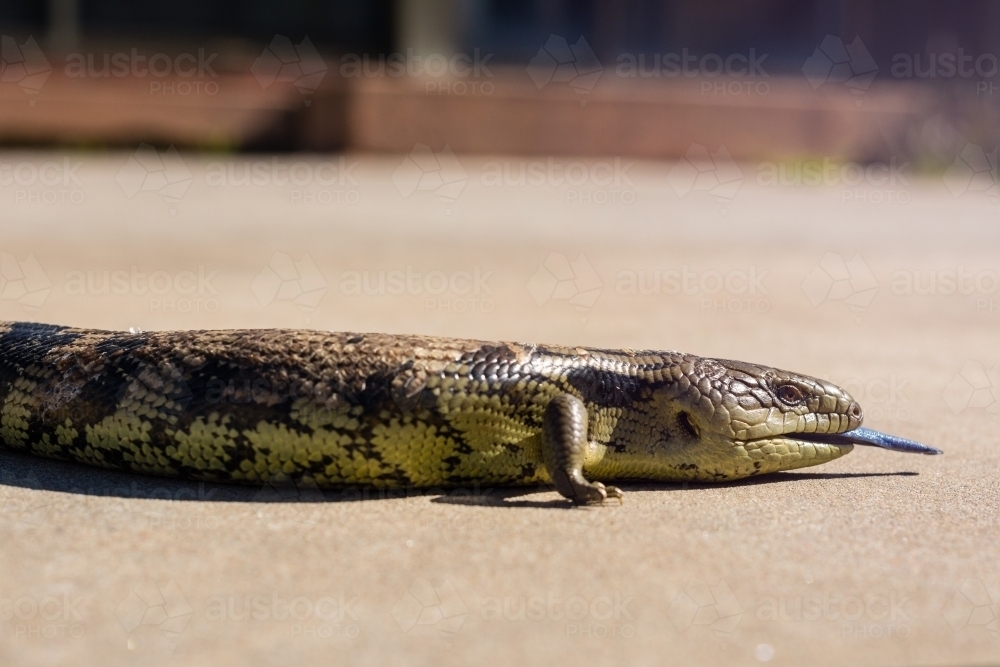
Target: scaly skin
333,409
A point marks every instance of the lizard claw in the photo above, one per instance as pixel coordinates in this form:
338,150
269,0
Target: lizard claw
615,492
594,493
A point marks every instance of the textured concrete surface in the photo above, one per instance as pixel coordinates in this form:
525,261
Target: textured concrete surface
877,558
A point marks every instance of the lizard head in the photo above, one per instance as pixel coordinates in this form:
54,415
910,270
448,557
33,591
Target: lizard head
722,420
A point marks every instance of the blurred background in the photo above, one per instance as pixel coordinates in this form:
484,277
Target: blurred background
808,184
842,78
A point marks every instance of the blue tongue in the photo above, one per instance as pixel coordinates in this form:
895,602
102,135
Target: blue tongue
866,436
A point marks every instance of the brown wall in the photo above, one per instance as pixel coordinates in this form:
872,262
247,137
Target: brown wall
649,119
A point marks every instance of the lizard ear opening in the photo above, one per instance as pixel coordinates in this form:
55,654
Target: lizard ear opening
688,424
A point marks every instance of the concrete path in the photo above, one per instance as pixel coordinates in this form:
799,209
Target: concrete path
889,288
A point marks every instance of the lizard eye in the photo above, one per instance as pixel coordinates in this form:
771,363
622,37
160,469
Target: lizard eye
790,394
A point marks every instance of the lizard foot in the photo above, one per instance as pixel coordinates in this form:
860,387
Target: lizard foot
594,493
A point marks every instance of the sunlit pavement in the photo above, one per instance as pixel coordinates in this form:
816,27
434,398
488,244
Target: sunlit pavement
884,282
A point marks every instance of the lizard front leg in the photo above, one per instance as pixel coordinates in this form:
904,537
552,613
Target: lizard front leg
564,447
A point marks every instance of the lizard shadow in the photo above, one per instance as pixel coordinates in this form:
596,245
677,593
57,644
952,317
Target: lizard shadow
23,471
512,496
28,472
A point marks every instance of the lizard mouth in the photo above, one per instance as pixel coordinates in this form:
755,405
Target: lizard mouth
867,437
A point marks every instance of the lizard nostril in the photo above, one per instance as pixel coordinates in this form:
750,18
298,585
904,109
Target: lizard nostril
854,412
